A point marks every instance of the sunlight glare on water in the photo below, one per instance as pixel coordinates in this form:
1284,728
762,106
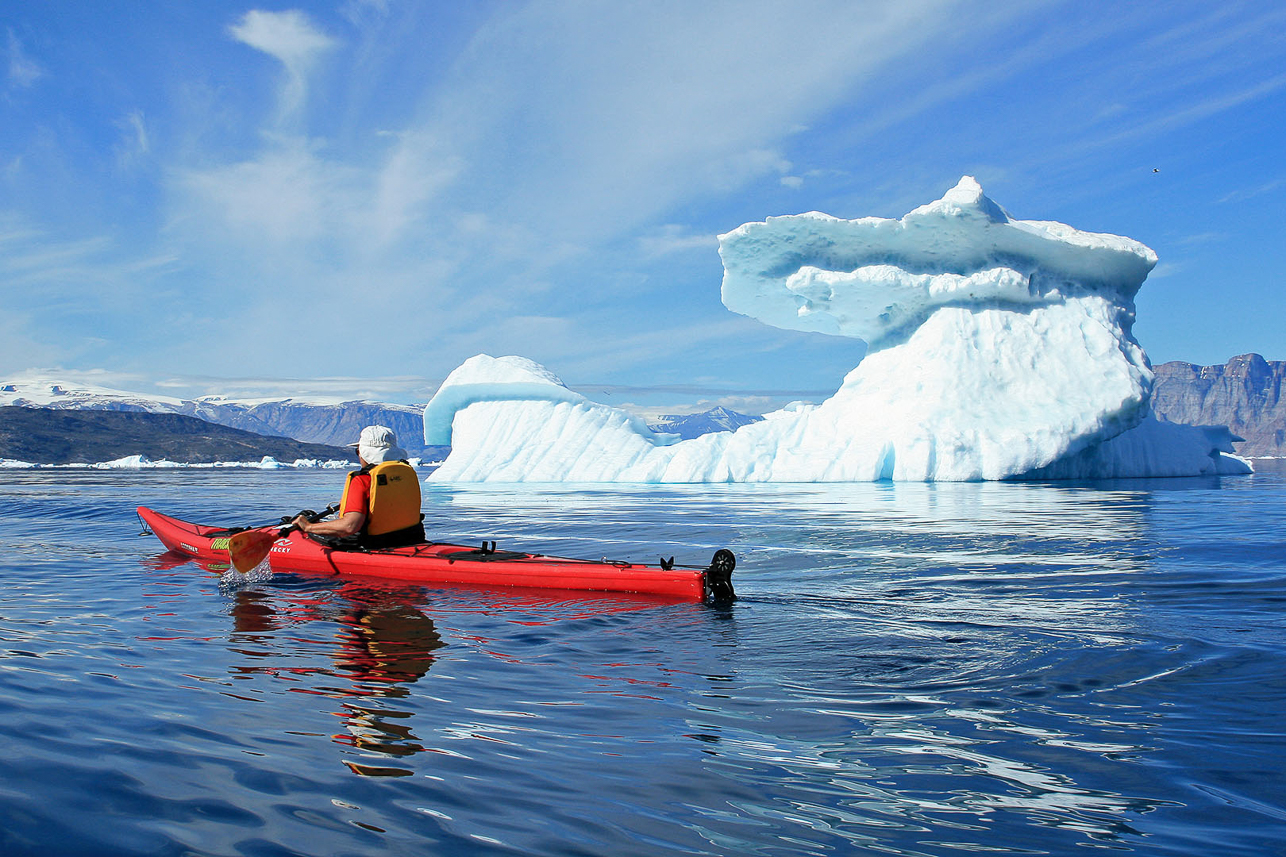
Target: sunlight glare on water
910,669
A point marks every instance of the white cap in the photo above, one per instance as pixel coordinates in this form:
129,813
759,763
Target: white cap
378,444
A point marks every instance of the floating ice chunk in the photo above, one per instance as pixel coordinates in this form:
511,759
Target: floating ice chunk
128,462
972,395
484,378
999,349
142,462
1153,448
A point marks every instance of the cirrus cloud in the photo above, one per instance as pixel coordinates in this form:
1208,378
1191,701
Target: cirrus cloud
290,37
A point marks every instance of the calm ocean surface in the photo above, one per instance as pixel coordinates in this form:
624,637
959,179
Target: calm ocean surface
909,670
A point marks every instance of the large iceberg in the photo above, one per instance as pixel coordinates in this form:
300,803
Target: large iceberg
997,349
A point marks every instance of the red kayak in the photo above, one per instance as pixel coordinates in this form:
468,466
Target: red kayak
457,564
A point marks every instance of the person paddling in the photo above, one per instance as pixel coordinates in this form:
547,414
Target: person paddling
381,501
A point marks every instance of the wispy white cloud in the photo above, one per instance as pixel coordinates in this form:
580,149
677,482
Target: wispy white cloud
402,388
23,71
14,231
1202,238
362,11
603,355
18,347
1194,110
1242,194
407,389
617,114
527,155
1213,40
742,402
67,311
41,260
40,272
525,175
673,238
285,195
1184,69
290,37
411,176
134,144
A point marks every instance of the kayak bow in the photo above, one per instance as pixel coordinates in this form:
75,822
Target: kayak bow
455,564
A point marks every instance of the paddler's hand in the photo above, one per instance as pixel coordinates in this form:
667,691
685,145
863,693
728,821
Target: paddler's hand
301,522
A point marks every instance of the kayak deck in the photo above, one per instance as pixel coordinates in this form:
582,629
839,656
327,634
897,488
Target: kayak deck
439,562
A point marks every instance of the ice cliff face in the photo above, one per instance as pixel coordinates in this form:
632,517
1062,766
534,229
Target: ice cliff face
999,348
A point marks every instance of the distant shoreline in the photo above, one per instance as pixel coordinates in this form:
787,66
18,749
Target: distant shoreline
49,436
136,462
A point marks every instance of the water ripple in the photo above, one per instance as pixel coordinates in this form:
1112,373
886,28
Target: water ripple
911,670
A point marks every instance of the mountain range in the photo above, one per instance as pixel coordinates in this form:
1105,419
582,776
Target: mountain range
688,426
331,423
67,436
1245,394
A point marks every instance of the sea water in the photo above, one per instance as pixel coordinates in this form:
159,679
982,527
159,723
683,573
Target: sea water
910,669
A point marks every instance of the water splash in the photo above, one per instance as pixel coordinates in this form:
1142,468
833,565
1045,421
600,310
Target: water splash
232,580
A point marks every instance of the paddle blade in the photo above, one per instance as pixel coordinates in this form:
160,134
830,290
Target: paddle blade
249,548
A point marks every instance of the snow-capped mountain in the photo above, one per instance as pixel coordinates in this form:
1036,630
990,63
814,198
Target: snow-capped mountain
694,425
88,436
34,391
333,423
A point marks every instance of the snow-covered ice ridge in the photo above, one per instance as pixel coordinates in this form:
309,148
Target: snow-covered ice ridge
999,349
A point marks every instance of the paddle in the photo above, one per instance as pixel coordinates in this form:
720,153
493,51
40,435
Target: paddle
250,547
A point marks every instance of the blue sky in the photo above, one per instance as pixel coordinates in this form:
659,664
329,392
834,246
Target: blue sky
355,197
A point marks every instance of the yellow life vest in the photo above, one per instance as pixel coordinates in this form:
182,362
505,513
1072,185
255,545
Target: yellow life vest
394,497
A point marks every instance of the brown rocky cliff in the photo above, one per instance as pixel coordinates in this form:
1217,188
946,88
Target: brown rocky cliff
1245,394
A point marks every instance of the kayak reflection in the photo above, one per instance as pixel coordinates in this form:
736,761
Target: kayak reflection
384,643
385,646
361,645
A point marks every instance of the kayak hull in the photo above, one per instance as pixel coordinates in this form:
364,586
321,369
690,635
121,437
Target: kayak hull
432,563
